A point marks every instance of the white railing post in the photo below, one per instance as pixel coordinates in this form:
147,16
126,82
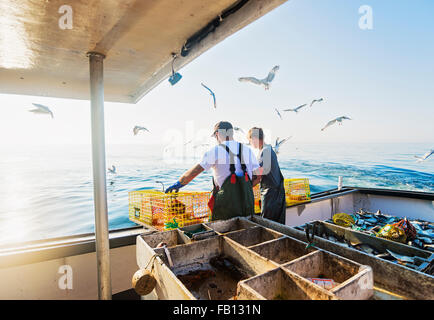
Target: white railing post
99,175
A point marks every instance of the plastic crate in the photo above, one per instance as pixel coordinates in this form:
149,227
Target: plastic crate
257,195
167,211
297,191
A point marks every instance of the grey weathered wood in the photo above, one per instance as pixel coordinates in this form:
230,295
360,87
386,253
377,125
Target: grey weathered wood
389,276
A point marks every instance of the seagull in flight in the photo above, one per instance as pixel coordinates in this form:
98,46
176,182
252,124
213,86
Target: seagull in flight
278,113
263,82
167,148
200,145
211,93
425,156
137,129
243,135
161,184
279,143
296,109
112,169
239,129
337,120
42,109
316,100
188,142
170,146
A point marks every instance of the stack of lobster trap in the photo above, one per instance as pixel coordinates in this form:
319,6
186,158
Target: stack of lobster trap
172,210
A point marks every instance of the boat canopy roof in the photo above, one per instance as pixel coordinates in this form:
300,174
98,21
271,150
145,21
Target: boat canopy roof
43,44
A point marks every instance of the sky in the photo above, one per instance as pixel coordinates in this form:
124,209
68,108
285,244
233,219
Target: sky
382,78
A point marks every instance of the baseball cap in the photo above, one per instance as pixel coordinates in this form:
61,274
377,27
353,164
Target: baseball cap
222,125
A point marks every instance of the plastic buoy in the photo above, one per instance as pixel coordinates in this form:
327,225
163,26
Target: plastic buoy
143,282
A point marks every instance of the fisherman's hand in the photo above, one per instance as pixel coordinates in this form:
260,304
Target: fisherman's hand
178,185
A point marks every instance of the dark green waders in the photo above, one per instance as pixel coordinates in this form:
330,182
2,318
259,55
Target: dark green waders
235,197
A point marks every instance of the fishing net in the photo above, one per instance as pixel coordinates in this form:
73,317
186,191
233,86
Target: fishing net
392,232
409,229
343,219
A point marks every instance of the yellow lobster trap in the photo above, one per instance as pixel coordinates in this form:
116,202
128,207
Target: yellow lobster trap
166,211
296,191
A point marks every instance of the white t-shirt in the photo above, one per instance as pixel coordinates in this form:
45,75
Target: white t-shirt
218,160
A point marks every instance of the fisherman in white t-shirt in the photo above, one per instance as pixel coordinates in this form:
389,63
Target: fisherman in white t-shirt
235,171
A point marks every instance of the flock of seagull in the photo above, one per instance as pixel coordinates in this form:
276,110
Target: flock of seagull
265,82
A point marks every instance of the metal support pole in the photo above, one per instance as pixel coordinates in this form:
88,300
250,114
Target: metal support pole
99,175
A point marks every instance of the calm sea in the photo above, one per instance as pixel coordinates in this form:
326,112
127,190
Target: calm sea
47,191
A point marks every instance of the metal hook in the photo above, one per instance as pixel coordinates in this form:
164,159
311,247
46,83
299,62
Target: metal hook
174,56
175,77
